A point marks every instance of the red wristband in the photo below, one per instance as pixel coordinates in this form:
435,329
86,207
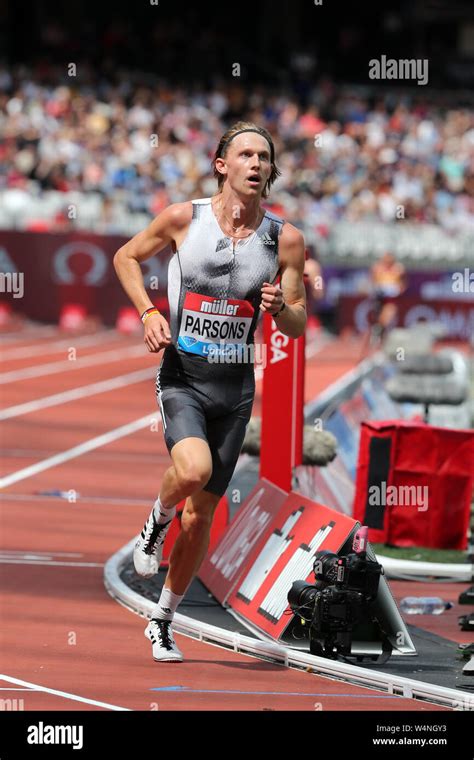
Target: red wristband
147,312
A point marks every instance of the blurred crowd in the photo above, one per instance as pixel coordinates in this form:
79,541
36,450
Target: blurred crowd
133,146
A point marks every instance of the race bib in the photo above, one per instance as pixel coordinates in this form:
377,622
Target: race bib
214,326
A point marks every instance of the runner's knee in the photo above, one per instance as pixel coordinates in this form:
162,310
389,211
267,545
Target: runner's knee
193,476
193,464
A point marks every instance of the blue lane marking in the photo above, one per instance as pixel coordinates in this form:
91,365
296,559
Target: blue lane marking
271,693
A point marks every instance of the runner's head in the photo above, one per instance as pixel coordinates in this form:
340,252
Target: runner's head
246,150
388,258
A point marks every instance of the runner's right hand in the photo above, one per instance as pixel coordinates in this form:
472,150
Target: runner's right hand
157,333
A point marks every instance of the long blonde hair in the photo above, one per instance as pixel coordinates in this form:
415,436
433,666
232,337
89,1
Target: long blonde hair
226,139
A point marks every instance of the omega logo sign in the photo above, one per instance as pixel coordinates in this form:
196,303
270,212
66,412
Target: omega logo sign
458,323
278,340
89,267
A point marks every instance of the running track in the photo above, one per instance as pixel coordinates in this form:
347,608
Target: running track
79,415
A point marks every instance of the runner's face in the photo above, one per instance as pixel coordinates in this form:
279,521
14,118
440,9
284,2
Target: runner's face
248,163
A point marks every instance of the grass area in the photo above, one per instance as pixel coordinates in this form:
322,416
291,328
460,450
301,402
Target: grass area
422,554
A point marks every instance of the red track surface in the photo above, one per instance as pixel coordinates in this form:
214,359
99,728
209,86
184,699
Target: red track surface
61,630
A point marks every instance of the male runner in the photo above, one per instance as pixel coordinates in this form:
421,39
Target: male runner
227,252
388,278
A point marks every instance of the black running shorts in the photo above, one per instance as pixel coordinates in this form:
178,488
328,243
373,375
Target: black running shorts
210,401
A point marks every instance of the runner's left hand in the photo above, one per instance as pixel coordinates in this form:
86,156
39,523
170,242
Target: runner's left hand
272,298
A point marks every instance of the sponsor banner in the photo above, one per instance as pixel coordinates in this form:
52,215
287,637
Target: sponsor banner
282,405
283,554
425,285
214,326
77,267
224,565
74,267
457,316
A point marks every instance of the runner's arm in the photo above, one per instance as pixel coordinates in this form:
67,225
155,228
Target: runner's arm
292,320
159,234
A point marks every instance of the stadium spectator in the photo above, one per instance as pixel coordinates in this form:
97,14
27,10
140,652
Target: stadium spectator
123,150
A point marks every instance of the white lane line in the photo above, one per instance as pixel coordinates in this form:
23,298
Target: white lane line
82,448
11,557
64,365
28,333
103,386
84,498
24,352
65,694
25,554
44,563
106,455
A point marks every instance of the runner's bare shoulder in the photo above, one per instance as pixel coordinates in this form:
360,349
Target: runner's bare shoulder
179,214
291,235
291,246
165,229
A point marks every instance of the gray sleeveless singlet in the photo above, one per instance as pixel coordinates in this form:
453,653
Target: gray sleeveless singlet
214,285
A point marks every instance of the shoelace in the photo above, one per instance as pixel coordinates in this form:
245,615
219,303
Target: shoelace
153,532
164,634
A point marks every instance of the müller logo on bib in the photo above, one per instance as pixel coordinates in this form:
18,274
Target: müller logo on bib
212,325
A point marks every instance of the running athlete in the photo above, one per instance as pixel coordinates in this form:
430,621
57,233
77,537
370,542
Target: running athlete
388,282
227,253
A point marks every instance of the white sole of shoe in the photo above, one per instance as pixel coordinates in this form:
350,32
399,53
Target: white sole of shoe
143,574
